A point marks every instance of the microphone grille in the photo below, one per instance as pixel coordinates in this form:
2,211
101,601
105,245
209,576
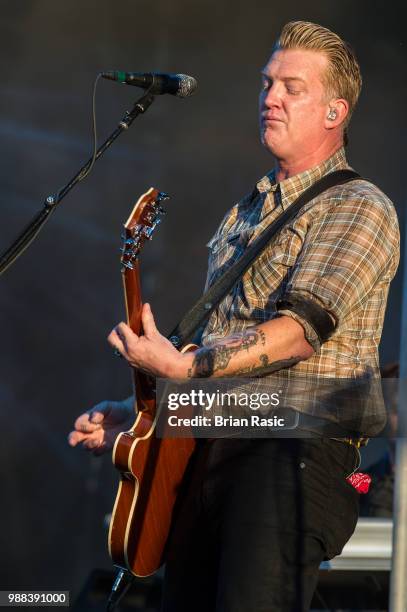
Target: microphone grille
187,85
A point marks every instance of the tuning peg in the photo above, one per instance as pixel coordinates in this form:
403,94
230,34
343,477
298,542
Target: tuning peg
148,231
162,196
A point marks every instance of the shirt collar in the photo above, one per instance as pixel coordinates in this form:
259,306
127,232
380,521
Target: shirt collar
290,189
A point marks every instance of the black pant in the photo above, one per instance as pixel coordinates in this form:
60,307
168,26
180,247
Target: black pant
257,519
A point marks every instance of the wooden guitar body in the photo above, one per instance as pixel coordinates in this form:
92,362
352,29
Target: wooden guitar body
151,469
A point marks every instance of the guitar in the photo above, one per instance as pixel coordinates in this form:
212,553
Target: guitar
151,469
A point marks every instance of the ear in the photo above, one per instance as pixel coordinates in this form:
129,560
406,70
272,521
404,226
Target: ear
336,112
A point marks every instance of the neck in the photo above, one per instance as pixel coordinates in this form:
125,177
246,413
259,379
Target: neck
286,168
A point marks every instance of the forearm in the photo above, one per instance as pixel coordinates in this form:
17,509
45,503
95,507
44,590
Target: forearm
258,350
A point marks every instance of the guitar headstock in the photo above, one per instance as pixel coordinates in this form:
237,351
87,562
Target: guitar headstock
140,225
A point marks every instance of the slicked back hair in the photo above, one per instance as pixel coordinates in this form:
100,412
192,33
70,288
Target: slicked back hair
342,78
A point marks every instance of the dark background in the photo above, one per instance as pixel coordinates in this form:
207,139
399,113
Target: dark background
64,295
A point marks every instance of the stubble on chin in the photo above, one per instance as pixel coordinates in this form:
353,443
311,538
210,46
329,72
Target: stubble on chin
267,141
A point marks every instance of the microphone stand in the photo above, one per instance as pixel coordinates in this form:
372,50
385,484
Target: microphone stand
9,256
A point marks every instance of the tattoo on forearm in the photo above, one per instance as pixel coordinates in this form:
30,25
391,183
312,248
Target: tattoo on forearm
211,359
262,336
266,366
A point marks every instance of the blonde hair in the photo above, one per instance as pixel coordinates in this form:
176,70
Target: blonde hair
342,78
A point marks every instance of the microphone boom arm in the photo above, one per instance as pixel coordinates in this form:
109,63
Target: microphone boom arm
22,242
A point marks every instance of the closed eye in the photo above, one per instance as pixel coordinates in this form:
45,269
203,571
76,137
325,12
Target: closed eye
266,83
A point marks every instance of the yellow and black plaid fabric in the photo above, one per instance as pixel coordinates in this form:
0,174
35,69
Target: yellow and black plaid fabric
341,251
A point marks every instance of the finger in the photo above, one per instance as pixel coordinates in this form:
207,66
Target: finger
81,421
91,443
147,319
126,335
75,437
121,336
98,417
114,341
88,441
84,424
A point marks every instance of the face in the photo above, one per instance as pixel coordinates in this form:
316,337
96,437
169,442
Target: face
293,103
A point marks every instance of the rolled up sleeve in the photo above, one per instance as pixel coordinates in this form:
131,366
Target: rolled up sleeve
346,252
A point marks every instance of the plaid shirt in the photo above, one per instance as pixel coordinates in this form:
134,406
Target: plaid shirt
341,251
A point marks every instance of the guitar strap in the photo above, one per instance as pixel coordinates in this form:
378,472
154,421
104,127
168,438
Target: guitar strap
203,308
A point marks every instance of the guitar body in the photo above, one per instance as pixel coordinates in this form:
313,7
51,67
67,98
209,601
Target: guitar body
151,469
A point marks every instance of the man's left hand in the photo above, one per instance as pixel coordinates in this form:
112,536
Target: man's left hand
151,352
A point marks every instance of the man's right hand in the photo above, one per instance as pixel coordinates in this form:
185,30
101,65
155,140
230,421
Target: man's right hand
98,428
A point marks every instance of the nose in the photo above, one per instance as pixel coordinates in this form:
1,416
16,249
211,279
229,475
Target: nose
271,97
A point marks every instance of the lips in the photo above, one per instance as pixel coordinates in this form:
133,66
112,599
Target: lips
270,123
268,118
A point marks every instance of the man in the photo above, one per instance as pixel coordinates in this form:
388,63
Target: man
260,515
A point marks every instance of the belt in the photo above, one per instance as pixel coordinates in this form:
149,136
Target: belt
356,442
329,429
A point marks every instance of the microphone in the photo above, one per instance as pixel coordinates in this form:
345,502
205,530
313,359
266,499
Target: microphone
180,85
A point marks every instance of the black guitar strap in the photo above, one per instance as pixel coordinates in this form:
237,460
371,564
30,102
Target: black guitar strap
203,308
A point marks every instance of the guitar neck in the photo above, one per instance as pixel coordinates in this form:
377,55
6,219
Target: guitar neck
138,229
143,384
132,296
